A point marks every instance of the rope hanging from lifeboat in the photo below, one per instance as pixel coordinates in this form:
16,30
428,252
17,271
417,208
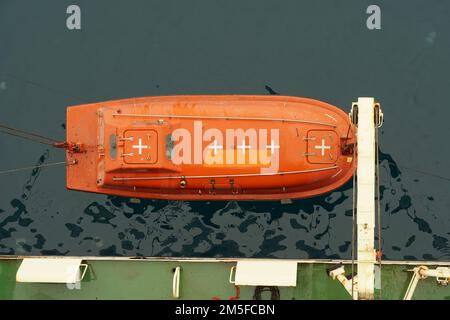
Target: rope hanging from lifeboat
353,219
30,136
379,254
71,147
39,166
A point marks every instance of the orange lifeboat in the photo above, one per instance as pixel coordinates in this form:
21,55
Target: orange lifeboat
209,147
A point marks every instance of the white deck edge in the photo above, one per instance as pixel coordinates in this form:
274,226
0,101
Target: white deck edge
222,260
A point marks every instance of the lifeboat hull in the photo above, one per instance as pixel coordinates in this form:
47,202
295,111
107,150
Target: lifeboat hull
209,147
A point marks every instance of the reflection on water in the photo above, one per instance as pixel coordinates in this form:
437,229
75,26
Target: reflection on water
318,227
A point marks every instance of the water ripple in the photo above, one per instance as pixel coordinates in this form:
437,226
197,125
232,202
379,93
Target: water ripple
318,227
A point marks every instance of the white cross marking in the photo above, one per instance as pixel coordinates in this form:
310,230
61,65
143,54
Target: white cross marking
243,146
215,147
272,147
323,147
140,146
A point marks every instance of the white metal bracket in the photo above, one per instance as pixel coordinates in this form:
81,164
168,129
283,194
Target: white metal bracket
442,275
176,283
350,285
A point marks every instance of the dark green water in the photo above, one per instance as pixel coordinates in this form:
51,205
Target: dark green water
318,49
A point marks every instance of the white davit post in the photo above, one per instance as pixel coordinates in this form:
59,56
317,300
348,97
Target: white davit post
365,198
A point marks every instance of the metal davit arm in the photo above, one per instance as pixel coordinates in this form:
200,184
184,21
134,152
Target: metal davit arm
442,275
366,115
365,197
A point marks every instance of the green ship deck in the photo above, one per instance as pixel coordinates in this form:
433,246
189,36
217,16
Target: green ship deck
152,278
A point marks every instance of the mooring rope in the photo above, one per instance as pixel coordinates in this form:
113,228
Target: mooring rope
53,90
426,173
38,166
27,135
27,138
